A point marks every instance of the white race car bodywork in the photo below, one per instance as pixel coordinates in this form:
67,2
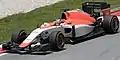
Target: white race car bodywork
44,33
81,30
118,17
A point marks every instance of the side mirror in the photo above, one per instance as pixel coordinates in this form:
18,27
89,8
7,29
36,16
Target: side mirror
38,25
66,9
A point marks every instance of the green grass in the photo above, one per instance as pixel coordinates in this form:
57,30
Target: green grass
29,21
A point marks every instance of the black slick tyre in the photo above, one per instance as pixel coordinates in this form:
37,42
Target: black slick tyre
110,24
18,36
56,40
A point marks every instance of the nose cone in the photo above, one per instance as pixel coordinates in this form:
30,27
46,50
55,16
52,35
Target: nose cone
23,45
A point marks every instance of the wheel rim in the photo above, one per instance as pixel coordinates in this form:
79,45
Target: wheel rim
114,24
60,42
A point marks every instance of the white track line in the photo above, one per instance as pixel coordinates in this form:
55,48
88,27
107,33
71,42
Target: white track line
3,54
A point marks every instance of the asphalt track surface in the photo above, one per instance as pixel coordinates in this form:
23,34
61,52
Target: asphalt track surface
101,48
105,47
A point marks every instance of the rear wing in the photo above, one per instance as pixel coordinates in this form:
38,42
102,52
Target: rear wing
95,5
96,9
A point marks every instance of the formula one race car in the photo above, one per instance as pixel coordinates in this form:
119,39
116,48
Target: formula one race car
95,19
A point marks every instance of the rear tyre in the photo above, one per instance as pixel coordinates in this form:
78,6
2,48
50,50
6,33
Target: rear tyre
110,24
18,36
56,41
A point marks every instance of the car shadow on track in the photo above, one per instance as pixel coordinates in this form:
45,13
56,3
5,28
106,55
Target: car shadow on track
93,37
35,53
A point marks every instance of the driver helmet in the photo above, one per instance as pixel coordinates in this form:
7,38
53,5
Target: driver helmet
58,21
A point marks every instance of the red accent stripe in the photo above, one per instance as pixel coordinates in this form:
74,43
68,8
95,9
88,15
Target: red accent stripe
50,24
23,45
2,51
116,13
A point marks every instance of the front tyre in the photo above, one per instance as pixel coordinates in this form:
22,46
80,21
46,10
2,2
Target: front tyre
56,40
18,36
110,24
